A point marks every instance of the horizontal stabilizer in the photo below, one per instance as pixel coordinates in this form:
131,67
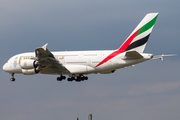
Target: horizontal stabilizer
132,55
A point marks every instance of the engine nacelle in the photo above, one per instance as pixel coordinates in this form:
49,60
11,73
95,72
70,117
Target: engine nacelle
27,64
29,71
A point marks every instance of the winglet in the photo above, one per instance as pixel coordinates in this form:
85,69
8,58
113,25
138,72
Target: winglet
44,47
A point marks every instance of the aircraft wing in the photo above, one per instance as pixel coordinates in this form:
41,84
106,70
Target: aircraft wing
47,63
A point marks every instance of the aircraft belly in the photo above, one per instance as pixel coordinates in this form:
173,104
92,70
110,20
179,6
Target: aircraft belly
80,69
115,64
126,63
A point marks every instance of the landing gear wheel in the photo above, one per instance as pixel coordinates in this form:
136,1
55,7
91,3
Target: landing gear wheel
12,79
70,79
61,78
85,78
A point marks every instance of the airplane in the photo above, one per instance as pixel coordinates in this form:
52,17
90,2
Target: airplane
78,64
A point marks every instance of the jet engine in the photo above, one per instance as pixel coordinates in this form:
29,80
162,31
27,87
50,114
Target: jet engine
29,67
28,64
30,71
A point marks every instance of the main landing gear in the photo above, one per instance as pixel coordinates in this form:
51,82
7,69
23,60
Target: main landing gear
78,79
61,78
12,79
70,79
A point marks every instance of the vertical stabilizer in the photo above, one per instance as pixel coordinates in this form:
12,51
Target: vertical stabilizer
137,40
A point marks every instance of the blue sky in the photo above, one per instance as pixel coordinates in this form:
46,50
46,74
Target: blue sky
150,90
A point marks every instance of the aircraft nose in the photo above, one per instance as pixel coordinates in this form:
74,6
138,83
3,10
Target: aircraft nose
5,67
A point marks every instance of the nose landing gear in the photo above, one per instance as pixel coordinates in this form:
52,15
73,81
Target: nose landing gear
12,79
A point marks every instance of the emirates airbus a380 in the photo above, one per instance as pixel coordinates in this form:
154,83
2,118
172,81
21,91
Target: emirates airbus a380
77,64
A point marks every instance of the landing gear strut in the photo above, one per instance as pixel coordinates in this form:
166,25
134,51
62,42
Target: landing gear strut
61,78
12,79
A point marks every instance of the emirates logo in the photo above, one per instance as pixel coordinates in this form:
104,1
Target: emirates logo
25,63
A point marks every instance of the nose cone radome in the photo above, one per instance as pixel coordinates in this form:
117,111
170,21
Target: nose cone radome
5,67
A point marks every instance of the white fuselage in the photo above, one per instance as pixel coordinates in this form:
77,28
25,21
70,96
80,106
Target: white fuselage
79,62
